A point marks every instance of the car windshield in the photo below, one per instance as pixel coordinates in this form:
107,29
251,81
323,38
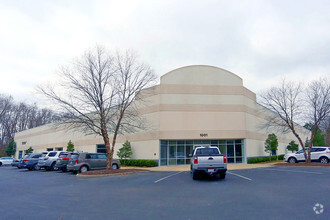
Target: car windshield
26,156
207,152
63,155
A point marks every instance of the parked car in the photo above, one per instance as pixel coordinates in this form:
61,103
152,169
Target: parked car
318,154
15,162
21,164
48,162
208,160
82,162
5,161
31,162
63,161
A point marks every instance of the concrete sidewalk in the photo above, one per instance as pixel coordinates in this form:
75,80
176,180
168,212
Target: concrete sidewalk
187,167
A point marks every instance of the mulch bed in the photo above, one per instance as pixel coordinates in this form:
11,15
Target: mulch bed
111,172
303,164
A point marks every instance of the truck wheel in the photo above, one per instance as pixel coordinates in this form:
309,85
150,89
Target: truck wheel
222,176
194,175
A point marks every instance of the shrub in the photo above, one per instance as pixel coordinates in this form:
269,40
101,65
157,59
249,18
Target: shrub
265,159
139,163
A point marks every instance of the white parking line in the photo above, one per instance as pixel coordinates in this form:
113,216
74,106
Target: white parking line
167,177
239,176
295,171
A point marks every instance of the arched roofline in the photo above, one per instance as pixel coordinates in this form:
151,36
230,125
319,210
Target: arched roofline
209,66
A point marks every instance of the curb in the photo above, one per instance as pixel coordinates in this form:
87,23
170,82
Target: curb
110,174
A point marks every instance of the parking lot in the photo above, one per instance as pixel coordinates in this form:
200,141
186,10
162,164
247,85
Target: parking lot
262,193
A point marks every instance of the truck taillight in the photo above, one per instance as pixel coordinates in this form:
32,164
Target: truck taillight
76,161
225,159
196,160
66,158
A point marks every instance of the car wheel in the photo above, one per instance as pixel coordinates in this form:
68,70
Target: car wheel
114,166
36,167
47,168
52,167
64,169
0,164
74,172
324,160
292,160
222,176
83,169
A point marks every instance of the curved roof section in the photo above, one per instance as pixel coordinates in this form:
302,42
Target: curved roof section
201,75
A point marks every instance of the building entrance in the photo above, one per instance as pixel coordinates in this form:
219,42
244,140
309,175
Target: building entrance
176,152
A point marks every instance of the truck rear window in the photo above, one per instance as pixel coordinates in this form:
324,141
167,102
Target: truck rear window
207,152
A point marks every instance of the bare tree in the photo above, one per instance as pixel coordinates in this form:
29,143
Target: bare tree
96,94
284,102
290,103
16,117
318,103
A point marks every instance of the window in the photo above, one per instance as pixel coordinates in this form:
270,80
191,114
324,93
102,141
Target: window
52,154
20,153
50,149
59,148
91,156
74,156
24,142
207,151
63,155
102,156
100,148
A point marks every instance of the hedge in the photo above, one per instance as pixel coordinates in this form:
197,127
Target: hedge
139,163
264,159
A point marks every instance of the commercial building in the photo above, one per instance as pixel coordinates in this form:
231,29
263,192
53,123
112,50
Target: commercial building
192,105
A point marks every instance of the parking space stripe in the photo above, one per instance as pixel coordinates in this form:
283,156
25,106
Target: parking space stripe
239,176
167,177
295,171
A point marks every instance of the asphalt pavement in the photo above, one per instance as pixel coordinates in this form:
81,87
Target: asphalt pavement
262,193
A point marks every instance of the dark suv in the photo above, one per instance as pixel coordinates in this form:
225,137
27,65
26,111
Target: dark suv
62,161
31,162
82,162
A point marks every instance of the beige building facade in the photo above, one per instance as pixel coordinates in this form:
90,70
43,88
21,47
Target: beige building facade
191,106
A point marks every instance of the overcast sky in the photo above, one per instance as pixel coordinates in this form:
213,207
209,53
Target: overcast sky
260,41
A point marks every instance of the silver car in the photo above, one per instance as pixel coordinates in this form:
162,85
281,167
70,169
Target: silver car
49,161
82,162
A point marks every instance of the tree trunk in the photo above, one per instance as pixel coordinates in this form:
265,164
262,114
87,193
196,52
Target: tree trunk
309,160
301,143
106,140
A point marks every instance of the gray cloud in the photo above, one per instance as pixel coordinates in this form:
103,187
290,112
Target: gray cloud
261,41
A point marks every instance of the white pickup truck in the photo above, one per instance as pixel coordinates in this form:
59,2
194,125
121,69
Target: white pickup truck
208,160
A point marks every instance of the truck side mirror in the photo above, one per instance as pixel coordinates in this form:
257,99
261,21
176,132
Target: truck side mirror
190,155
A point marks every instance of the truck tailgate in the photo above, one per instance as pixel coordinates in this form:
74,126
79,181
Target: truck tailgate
210,161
